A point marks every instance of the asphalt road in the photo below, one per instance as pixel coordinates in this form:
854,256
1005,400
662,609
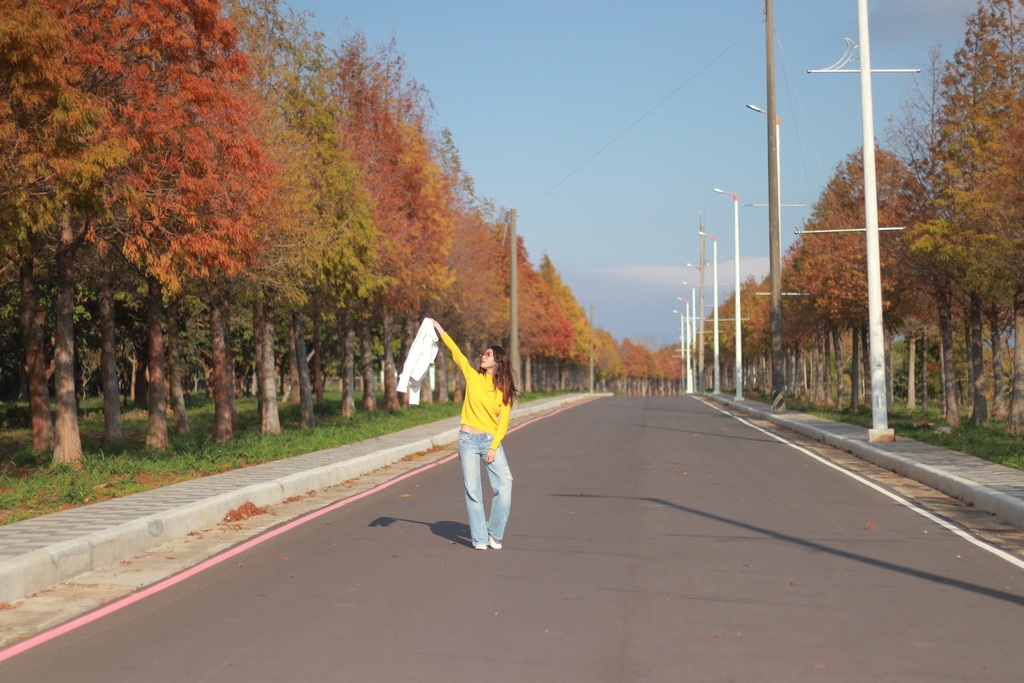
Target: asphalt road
650,539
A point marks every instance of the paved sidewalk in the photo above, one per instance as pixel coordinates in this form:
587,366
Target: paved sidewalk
44,551
987,486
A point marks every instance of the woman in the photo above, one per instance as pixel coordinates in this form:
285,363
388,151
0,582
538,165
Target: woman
490,391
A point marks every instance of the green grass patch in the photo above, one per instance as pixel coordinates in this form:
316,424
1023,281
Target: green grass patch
30,486
990,442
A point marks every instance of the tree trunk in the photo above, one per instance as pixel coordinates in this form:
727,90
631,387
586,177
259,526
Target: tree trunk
790,374
1015,419
865,365
113,430
979,414
924,372
951,404
177,391
406,338
270,418
229,361
391,402
827,386
968,393
998,376
817,373
140,376
837,341
855,372
31,316
305,388
222,424
801,371
257,342
366,366
347,336
441,376
294,384
156,435
68,440
911,372
318,363
887,360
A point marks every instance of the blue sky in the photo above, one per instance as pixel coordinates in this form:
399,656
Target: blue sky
607,125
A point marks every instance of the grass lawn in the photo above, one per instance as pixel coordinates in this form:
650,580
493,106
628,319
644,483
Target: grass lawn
30,486
989,443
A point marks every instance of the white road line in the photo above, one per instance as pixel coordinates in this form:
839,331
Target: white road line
967,536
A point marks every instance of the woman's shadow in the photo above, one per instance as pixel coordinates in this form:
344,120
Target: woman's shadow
453,532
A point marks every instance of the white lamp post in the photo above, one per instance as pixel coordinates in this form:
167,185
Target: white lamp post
689,370
682,349
691,361
736,258
687,338
879,402
714,275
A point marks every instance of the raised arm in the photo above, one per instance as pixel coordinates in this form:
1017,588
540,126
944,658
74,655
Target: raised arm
460,358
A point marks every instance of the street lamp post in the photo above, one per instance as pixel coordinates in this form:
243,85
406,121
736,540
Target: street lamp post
879,403
699,312
714,275
694,383
682,350
689,337
736,259
880,430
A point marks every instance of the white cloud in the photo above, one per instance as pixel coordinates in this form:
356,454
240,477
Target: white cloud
673,277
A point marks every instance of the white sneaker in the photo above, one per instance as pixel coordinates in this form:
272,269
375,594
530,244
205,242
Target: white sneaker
494,543
482,546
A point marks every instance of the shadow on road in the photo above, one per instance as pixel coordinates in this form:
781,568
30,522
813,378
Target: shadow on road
819,547
456,532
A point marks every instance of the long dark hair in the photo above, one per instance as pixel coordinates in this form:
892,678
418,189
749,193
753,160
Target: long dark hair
503,378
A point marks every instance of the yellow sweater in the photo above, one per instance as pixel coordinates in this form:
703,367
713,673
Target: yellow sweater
484,406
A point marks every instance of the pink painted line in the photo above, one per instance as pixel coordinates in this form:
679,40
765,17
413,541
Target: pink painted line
117,605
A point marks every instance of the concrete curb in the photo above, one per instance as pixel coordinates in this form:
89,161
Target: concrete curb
22,575
987,498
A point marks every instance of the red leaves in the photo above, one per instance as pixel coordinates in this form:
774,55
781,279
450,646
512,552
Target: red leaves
245,511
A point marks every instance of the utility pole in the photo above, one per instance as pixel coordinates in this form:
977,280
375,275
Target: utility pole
880,430
774,227
700,314
513,342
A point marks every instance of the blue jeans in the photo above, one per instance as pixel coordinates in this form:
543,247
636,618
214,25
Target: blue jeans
473,451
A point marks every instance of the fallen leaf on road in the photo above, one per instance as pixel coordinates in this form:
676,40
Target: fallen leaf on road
870,526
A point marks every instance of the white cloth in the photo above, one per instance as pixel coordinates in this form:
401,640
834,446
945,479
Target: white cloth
417,363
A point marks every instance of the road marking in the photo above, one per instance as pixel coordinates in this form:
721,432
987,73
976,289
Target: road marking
967,536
